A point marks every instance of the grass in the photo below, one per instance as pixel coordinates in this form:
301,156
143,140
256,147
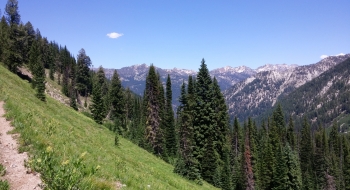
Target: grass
70,133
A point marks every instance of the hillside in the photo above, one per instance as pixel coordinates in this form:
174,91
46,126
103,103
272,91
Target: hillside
323,99
259,93
51,127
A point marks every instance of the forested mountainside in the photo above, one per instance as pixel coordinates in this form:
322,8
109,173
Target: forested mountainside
259,93
324,98
134,77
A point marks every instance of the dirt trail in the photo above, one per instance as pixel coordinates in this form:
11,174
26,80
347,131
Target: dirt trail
16,173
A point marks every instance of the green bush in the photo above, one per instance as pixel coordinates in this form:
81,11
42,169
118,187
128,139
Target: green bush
64,174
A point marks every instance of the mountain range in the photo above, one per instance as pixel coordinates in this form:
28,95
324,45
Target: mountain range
134,77
248,92
257,94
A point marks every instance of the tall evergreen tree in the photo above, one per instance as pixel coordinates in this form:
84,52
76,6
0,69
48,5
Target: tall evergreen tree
102,82
83,76
14,46
37,69
4,30
221,119
346,170
288,176
97,108
320,163
170,135
278,118
186,164
12,12
247,165
236,158
73,92
28,41
154,133
306,156
226,176
209,162
290,137
117,103
203,113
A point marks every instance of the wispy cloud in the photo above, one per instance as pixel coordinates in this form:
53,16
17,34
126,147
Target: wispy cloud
340,54
323,56
114,35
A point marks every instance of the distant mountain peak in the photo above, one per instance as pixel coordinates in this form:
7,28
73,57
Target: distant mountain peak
276,67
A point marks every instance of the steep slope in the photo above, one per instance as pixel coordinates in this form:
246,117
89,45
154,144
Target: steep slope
259,93
69,134
323,99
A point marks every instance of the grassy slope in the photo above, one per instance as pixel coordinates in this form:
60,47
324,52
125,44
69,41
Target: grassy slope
71,133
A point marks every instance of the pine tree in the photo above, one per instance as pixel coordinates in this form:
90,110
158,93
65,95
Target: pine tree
170,138
209,163
237,151
226,182
306,155
346,170
12,12
38,71
267,165
186,164
73,93
320,163
13,51
102,82
294,180
154,134
28,41
52,67
4,31
117,103
335,153
252,132
247,165
221,119
83,76
203,113
291,134
280,178
97,108
278,118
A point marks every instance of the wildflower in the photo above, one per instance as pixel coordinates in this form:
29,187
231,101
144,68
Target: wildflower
49,149
65,162
83,155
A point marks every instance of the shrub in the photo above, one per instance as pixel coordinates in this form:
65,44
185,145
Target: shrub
58,174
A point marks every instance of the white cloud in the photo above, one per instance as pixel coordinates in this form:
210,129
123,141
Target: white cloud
323,56
340,54
114,35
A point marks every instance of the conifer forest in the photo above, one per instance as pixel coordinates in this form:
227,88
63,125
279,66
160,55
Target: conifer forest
198,137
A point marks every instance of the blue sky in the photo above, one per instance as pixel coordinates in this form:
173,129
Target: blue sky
176,33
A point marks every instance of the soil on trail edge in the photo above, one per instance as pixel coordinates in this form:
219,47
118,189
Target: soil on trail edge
16,173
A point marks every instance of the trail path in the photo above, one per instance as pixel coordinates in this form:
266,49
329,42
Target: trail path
16,173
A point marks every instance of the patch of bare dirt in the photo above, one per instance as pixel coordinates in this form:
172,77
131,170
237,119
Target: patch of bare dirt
16,173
